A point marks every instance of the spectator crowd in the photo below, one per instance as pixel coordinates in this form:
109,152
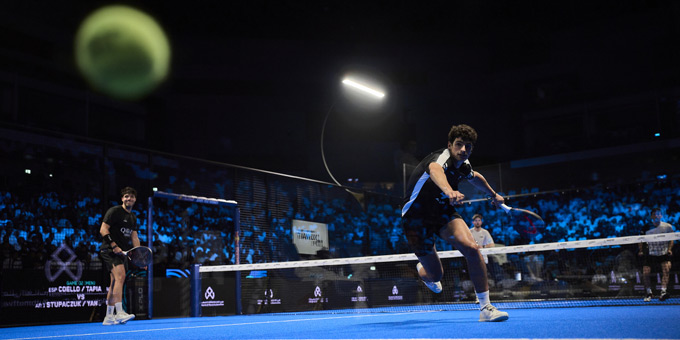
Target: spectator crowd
33,228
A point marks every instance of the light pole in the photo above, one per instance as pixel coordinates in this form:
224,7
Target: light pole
360,88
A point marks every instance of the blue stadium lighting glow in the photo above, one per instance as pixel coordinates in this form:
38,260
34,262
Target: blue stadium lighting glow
257,274
657,135
177,273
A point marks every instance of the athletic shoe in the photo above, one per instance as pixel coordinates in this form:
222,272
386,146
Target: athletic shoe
490,313
434,286
123,317
110,320
663,296
648,297
476,300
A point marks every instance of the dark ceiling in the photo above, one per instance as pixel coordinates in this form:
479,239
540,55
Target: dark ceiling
251,81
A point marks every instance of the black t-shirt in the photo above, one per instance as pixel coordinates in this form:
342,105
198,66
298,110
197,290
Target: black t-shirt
422,188
122,224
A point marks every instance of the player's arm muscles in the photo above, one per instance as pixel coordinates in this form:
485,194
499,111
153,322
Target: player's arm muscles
439,178
480,183
670,248
104,230
135,239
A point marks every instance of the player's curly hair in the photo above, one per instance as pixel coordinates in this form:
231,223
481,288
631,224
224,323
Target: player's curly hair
128,190
465,132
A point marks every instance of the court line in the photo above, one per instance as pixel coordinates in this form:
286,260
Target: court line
211,326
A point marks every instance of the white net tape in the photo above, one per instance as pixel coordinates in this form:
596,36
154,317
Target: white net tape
602,242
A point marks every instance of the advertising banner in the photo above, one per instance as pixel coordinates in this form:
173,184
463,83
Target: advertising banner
310,237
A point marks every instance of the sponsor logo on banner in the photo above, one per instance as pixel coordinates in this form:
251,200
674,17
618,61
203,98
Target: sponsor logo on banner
269,298
317,296
359,298
209,300
395,295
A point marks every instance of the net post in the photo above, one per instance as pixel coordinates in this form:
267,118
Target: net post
196,290
149,243
195,275
237,250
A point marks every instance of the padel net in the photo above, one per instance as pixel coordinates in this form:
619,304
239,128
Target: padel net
597,272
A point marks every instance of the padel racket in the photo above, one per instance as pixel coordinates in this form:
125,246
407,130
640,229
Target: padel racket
139,256
526,218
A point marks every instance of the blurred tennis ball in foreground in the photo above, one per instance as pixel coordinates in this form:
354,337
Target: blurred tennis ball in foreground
122,52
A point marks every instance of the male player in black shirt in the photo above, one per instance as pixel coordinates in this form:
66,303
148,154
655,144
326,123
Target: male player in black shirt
430,210
119,233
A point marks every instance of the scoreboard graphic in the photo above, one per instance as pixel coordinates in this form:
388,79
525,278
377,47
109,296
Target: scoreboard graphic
61,292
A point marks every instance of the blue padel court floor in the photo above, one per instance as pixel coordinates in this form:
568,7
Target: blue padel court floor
618,322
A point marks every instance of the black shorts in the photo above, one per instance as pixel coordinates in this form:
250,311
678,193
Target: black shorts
654,262
422,222
112,259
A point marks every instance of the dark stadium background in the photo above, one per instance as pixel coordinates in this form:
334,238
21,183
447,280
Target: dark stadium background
251,81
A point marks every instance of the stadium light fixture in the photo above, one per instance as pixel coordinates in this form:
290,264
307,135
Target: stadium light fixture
362,88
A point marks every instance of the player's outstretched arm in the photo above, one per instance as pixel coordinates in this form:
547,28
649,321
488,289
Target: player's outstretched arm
480,183
439,178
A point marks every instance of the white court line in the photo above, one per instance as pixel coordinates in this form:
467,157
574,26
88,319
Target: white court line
211,326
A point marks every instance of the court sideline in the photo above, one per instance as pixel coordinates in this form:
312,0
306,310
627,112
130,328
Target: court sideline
632,322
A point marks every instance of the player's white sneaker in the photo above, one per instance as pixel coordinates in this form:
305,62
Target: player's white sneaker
648,297
490,313
434,286
122,317
110,320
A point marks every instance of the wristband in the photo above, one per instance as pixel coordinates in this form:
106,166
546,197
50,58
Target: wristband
108,239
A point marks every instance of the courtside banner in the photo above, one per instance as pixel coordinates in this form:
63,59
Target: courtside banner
310,237
217,296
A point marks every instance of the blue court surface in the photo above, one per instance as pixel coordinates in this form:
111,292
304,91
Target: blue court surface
633,322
